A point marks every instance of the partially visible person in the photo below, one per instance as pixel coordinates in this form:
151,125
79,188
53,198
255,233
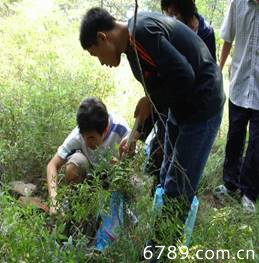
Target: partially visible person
242,26
186,11
97,133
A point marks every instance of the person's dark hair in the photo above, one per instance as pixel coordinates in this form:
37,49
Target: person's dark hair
95,20
186,8
92,115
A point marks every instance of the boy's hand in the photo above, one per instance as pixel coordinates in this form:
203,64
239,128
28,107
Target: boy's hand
125,148
143,109
53,210
114,160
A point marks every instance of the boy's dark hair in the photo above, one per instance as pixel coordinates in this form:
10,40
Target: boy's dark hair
186,8
92,115
95,20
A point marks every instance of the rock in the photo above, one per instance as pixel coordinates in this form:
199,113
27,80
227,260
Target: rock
34,201
22,188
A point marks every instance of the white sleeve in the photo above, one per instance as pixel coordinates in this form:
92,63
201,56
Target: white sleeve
228,28
71,143
125,124
119,121
128,130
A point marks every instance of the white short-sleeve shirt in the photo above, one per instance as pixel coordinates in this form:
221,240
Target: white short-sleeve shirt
242,25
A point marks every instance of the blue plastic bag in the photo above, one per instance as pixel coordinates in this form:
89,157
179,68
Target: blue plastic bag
108,231
158,201
190,221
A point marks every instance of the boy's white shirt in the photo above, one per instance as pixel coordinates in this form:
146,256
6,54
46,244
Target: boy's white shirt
117,130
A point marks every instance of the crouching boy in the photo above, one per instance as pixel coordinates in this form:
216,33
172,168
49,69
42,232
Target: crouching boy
97,132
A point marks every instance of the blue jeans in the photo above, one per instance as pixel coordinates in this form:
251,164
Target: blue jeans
186,150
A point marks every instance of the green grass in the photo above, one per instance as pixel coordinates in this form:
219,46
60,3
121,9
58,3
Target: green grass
44,75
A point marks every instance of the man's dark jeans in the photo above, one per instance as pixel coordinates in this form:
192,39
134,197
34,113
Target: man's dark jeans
239,172
186,154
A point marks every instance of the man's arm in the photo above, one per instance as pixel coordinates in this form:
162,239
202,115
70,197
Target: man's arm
128,143
52,171
143,110
224,54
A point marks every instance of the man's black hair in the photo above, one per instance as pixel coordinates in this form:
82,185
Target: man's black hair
92,115
95,20
186,8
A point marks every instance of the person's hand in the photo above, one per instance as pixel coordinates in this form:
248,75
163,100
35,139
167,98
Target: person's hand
143,109
114,160
125,148
53,211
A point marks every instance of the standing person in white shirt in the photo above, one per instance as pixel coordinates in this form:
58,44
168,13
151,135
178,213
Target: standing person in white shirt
242,25
97,133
